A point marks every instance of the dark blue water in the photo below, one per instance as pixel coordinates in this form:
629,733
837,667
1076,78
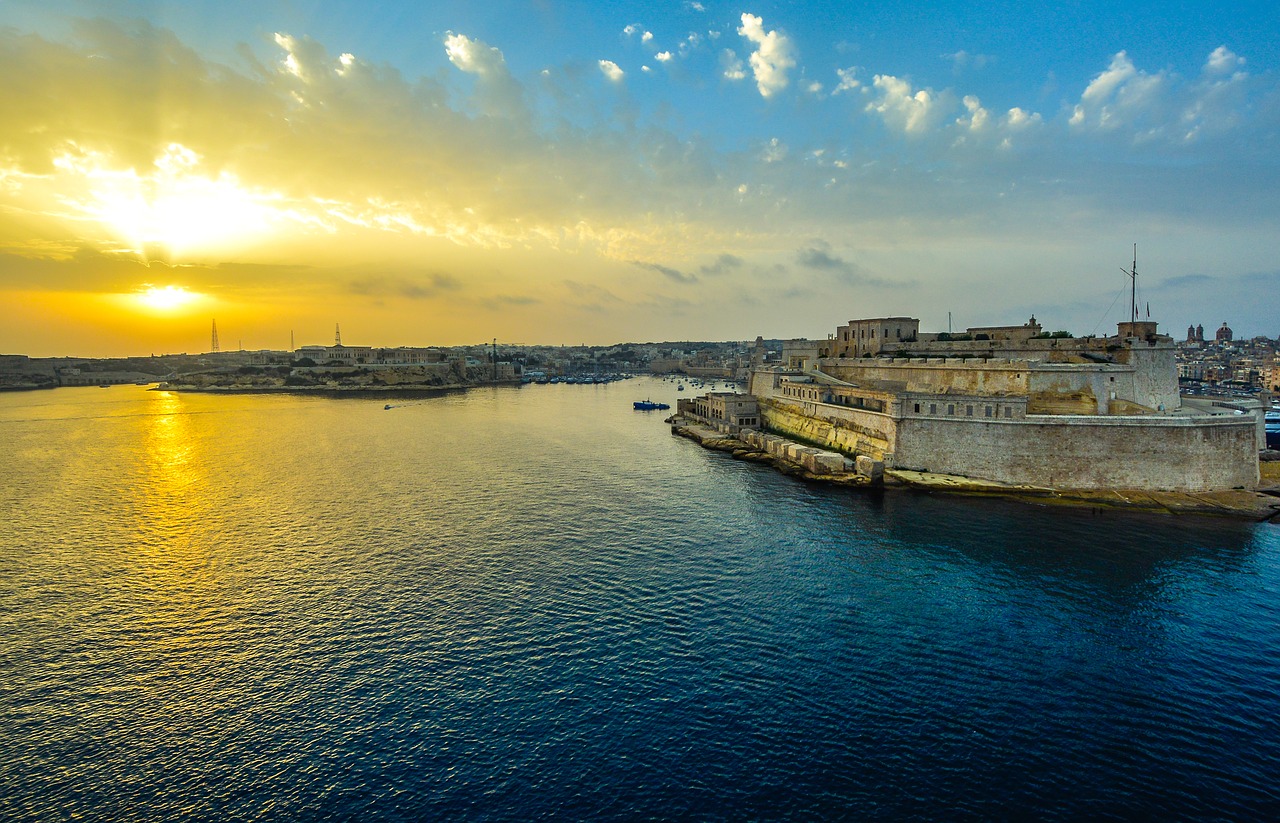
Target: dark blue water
538,604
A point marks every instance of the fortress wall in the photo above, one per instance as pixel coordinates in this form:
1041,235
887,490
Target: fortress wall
1174,454
850,431
1155,376
935,375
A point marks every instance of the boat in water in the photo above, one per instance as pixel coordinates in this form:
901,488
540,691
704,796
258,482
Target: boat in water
648,405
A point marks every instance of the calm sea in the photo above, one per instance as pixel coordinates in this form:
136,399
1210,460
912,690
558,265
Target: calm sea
535,603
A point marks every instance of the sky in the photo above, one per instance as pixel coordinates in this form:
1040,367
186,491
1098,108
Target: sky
448,173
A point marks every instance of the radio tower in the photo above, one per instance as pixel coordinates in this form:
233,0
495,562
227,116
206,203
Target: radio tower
337,335
213,341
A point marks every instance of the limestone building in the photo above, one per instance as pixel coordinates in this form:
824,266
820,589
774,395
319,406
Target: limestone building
1008,403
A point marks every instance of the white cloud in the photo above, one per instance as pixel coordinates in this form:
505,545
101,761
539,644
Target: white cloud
963,59
773,151
913,113
662,56
731,65
689,44
631,29
1222,60
499,91
646,37
815,87
847,80
610,70
1017,119
292,62
771,59
1121,96
645,69
1217,100
1106,83
474,56
978,116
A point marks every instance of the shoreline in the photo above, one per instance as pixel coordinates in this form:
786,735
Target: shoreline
338,391
1260,505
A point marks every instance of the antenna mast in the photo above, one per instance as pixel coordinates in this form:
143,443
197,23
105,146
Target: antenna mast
1133,286
213,339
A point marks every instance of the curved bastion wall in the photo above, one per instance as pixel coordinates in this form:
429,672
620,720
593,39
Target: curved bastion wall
1188,454
1157,453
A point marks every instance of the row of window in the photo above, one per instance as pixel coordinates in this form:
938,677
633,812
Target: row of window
987,411
817,396
862,334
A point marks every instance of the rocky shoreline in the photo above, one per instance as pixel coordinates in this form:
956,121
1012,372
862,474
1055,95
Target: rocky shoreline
1259,505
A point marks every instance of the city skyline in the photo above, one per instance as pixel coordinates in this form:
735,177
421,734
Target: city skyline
561,173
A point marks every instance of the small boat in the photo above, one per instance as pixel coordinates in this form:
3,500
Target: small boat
680,387
648,405
384,408
104,385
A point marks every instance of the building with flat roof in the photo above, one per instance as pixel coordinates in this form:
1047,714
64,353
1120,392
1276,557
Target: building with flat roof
1007,403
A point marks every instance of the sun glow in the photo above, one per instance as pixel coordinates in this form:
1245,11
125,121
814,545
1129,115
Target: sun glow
175,205
166,299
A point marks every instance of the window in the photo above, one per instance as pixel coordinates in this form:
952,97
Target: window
1008,412
933,408
917,408
951,408
968,410
988,411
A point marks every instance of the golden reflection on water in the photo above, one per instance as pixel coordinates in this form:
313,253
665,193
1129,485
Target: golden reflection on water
170,495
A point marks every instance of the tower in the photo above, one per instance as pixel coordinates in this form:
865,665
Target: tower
213,341
337,335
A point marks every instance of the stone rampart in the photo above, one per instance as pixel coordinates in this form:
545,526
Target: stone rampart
850,431
1187,454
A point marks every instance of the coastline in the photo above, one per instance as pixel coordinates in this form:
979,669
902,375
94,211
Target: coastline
339,390
1260,505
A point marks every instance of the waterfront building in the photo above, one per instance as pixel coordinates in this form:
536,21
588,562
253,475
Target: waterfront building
1013,404
729,412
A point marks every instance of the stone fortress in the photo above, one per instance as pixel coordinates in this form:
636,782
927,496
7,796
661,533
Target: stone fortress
1011,404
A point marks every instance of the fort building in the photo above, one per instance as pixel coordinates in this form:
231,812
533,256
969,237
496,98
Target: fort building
1013,404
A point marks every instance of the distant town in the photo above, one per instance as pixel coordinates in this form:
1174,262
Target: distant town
1211,363
353,367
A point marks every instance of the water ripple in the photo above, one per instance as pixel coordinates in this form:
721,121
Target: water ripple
536,604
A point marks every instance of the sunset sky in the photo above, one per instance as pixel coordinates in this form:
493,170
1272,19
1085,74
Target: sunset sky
441,173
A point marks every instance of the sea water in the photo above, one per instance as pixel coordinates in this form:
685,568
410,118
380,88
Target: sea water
535,603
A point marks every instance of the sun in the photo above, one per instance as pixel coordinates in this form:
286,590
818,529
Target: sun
166,299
